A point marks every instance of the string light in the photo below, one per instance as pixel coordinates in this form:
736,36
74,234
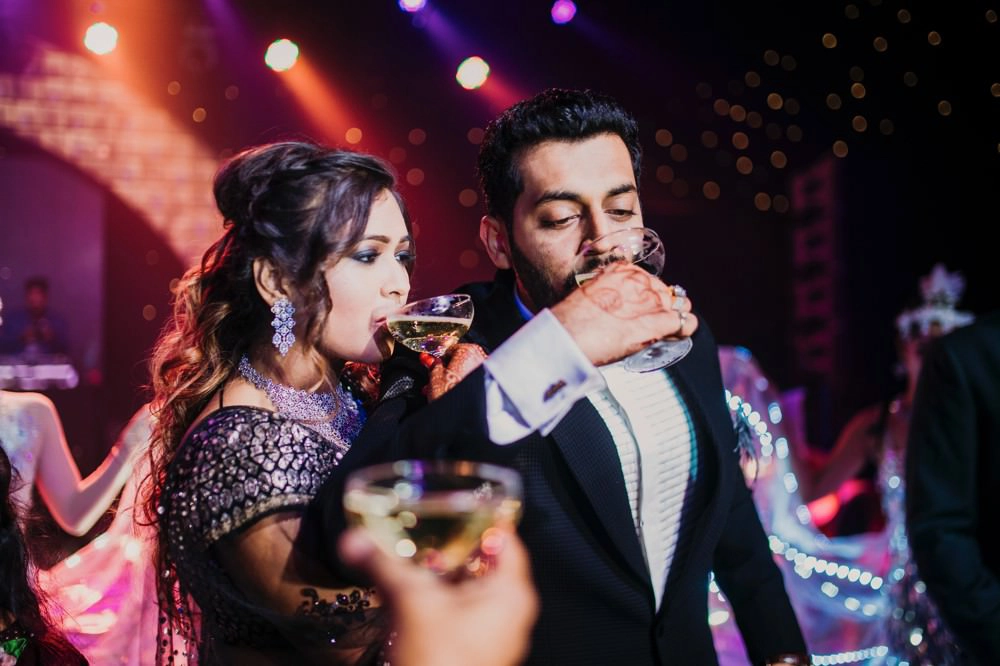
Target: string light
804,563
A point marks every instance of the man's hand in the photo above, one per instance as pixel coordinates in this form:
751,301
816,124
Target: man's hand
621,311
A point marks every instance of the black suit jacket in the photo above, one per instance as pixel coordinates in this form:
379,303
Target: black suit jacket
953,475
597,599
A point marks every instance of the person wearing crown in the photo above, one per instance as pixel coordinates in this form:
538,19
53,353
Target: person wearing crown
952,473
915,633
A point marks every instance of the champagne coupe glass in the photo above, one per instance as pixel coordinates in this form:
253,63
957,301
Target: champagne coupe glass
643,247
432,325
436,513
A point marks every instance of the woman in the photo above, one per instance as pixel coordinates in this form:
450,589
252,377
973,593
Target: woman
104,594
27,637
31,434
878,434
252,413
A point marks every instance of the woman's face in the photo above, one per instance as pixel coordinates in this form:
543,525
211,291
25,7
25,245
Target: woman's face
366,285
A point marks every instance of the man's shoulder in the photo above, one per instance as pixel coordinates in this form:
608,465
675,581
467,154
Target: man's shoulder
502,282
971,343
496,317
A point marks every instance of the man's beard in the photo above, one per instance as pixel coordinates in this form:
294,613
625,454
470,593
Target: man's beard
539,290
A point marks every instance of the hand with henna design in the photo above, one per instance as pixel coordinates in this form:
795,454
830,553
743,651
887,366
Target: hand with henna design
621,311
461,360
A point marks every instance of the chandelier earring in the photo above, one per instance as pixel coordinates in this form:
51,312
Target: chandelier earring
283,323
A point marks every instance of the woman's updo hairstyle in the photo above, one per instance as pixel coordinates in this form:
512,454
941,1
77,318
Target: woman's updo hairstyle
298,205
302,207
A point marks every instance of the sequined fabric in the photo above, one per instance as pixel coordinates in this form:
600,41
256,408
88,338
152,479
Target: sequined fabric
237,466
916,633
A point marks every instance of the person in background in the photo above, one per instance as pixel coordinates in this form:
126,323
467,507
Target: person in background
31,433
27,636
952,476
878,434
104,593
34,330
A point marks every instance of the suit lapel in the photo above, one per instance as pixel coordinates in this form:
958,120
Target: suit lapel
581,436
590,452
691,375
496,317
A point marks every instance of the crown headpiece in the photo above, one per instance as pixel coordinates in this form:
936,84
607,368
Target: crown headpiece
941,292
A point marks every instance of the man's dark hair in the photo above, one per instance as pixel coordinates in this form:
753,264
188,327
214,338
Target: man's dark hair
555,114
37,282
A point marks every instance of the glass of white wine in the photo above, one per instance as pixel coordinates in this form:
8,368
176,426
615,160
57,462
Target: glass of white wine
433,512
432,325
640,246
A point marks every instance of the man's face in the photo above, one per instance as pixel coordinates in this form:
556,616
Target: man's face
573,191
37,300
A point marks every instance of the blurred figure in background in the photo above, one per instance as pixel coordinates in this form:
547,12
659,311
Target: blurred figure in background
32,435
105,592
27,637
953,471
834,584
878,435
91,584
34,330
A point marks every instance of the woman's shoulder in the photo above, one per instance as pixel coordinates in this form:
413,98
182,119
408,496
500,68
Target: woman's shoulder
243,429
240,463
27,401
225,418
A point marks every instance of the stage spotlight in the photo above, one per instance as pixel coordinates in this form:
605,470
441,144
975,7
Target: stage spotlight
563,11
412,5
101,38
281,55
472,73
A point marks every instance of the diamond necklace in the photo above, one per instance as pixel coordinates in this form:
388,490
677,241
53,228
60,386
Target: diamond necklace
335,415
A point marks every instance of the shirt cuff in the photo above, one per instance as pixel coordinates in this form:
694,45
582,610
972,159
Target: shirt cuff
534,378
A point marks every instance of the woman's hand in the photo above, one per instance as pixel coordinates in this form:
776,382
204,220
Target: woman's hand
461,360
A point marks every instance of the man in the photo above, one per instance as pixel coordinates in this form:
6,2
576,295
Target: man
34,330
952,473
633,492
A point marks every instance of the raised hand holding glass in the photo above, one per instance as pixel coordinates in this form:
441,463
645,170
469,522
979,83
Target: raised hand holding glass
640,246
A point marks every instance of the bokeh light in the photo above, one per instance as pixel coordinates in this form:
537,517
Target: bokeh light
563,11
101,38
282,55
472,73
412,5
353,135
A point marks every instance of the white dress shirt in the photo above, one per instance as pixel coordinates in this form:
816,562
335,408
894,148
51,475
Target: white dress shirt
535,377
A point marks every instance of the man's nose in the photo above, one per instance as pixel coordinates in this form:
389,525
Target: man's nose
600,224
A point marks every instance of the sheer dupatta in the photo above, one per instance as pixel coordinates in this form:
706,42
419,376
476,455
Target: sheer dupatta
105,593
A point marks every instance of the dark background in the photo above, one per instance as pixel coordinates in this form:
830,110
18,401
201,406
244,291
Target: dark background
924,192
